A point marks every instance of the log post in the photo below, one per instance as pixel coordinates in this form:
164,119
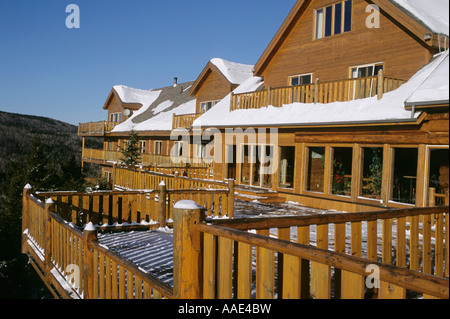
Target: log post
27,190
162,213
49,204
231,186
89,236
380,84
187,250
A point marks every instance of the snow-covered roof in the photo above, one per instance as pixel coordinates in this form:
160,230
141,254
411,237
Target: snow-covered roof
390,108
434,14
434,89
236,73
158,107
135,96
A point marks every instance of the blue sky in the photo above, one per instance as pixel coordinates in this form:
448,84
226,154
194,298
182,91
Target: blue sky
49,70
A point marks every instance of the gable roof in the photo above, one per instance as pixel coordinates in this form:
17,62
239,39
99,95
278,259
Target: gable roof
158,107
418,16
232,72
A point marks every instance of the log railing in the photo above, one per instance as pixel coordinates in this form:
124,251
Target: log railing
249,258
297,256
98,155
318,92
181,178
95,128
184,120
73,264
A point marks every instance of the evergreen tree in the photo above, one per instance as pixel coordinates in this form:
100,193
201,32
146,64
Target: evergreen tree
131,154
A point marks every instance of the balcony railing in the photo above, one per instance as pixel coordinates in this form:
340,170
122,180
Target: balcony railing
318,92
184,120
102,156
95,128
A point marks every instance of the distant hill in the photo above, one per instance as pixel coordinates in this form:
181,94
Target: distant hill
17,132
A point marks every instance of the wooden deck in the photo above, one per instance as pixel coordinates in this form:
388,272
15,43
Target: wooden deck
310,255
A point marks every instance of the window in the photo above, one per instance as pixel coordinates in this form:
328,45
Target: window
365,70
438,177
256,165
142,147
206,106
158,146
115,117
300,79
315,169
333,19
404,175
287,164
372,169
341,183
245,167
107,176
178,149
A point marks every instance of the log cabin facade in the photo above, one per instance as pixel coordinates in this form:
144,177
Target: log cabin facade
343,54
348,162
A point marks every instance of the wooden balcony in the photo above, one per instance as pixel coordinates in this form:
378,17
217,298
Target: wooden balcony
184,120
318,92
98,156
96,128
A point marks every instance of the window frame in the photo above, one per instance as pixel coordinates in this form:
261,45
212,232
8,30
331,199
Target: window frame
292,77
204,110
157,150
323,29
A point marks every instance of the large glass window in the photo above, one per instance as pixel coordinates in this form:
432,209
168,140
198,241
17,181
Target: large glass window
372,169
287,165
438,178
267,162
315,169
341,183
245,164
404,175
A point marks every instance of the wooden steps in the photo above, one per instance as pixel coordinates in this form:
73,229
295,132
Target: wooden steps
262,195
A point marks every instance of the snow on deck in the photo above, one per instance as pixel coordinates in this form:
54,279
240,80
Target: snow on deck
152,251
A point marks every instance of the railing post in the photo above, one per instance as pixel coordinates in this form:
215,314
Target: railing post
27,190
162,204
113,175
431,197
380,85
48,239
187,250
231,186
89,236
316,93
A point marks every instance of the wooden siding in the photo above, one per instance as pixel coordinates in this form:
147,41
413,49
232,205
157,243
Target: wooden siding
214,87
331,57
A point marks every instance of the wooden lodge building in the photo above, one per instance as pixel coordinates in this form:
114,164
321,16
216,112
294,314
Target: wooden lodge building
347,109
357,92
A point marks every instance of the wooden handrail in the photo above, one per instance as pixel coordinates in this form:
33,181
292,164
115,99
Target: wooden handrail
418,282
317,92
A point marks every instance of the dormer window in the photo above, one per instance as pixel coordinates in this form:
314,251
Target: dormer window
333,19
206,106
115,117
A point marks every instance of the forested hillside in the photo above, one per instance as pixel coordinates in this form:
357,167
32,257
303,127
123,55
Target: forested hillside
18,131
47,154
